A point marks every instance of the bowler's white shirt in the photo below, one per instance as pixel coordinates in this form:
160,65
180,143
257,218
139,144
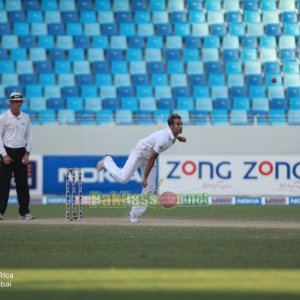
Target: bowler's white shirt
15,132
158,141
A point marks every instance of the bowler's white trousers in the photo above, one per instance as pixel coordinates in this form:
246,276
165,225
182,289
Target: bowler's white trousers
136,159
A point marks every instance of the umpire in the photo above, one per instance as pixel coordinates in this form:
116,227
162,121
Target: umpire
15,147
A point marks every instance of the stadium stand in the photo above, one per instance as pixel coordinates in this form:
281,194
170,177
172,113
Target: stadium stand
221,62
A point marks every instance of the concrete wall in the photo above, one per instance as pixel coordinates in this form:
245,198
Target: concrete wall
91,140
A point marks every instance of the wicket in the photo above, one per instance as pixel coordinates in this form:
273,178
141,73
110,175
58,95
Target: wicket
73,171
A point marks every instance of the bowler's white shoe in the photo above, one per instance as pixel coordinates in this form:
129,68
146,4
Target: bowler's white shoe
1,217
27,217
100,163
133,217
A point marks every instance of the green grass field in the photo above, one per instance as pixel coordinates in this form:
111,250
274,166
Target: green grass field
152,262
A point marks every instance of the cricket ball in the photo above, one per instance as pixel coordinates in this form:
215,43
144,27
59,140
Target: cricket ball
168,200
273,80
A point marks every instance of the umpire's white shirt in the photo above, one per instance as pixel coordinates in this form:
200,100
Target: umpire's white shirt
15,132
158,141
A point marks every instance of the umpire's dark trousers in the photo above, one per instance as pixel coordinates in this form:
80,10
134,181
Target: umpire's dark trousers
20,172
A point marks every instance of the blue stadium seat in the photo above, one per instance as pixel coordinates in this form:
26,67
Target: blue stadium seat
222,103
163,29
287,55
249,42
66,116
260,105
139,5
5,29
130,103
93,103
199,118
84,79
33,91
257,92
46,41
276,92
219,117
82,41
110,103
27,41
140,79
47,117
89,91
203,104
10,79
66,80
74,103
133,54
277,117
70,91
293,92
241,103
85,117
56,29
28,79
18,54
197,80
192,42
173,54
147,104
100,67
62,67
144,91
273,80
238,91
161,116
103,80
126,91
272,67
279,103
219,91
37,103
233,67
295,103
291,67
143,117
157,5
201,92
238,117
47,79
216,79
186,103
124,117
43,66
254,79
293,117
105,116
259,118
182,91
16,15
194,5
55,103
159,80
213,67
57,54
3,54
166,103
234,16
86,5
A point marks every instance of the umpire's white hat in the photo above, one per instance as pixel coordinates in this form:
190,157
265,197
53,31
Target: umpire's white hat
15,96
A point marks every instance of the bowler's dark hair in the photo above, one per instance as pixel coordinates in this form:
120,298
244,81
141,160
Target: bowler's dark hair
172,117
